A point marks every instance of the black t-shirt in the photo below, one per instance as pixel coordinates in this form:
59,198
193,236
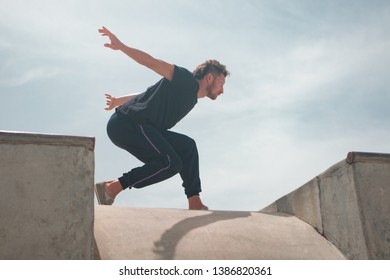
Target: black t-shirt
165,103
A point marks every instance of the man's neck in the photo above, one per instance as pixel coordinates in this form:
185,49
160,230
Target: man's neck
202,92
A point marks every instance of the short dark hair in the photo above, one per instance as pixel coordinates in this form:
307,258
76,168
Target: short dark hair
210,66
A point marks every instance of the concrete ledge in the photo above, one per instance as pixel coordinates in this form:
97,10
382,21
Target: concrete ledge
354,157
47,199
348,204
15,138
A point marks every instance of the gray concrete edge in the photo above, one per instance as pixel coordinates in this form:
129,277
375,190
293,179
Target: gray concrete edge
15,137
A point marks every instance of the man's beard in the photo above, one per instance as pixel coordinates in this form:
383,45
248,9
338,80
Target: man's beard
209,92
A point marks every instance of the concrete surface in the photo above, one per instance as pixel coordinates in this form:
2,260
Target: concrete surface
349,204
141,233
47,199
47,212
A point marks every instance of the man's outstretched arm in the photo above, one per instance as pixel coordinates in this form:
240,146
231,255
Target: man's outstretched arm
159,66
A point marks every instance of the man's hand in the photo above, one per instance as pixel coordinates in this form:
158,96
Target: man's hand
110,102
115,43
159,66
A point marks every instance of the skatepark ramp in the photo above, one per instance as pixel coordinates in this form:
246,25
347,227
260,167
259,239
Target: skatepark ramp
47,211
166,234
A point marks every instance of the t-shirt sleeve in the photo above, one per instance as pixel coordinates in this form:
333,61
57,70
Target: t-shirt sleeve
184,80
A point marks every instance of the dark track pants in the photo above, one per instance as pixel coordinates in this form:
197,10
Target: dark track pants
164,154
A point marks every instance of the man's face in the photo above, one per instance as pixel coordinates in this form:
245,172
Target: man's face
215,87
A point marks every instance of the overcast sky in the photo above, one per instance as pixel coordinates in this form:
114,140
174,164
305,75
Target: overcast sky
310,82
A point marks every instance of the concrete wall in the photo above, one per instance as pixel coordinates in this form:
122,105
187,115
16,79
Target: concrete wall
349,204
46,201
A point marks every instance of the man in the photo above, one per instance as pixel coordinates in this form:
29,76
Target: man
141,123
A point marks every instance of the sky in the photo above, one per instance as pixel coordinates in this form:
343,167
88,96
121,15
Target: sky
309,83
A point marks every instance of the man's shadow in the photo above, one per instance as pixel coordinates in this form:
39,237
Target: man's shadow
166,246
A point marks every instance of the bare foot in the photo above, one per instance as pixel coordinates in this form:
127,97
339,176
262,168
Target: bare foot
194,203
113,188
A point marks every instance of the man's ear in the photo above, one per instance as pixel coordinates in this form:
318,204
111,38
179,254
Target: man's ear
209,77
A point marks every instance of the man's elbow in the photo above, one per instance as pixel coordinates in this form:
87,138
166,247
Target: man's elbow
164,69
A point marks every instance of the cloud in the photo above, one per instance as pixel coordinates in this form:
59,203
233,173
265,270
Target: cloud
12,78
